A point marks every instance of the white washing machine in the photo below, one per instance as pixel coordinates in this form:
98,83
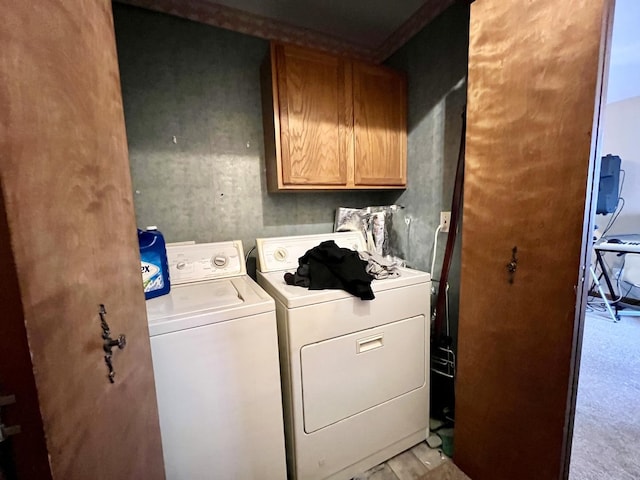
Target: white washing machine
355,373
215,361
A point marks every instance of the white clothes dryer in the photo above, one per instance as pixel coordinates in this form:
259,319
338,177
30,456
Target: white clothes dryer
355,373
216,368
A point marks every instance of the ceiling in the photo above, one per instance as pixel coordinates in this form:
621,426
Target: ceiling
367,29
367,23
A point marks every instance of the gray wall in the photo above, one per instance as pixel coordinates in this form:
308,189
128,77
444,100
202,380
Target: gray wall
201,84
436,64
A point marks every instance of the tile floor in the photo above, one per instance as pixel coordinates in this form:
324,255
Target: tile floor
412,464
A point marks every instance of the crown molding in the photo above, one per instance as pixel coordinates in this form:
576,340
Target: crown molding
222,16
425,14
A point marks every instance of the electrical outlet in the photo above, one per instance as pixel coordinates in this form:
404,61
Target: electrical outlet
445,220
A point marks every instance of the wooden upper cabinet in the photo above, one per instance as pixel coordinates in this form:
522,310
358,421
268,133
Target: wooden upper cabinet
314,106
379,126
310,100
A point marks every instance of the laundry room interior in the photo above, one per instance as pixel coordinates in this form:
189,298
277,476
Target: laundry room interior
197,151
193,115
257,156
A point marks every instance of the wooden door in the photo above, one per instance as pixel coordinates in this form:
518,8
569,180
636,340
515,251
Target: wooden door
314,95
379,126
68,245
535,71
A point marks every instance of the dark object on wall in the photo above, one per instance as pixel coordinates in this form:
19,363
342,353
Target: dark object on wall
456,211
443,356
609,185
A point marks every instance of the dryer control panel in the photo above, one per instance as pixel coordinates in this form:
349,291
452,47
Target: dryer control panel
282,253
195,262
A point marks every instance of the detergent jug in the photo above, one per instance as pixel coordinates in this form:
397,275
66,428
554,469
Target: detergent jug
153,263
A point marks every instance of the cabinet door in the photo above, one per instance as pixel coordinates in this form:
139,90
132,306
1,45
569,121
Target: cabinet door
315,116
533,112
68,244
380,126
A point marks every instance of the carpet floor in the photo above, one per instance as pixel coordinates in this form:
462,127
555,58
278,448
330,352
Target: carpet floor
606,437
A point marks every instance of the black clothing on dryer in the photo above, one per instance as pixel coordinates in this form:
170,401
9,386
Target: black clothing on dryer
328,266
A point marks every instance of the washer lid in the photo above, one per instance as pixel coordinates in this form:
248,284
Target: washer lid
196,304
293,296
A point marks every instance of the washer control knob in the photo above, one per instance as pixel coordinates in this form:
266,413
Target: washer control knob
181,265
219,261
280,254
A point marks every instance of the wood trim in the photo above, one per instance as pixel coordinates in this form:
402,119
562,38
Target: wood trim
430,10
28,450
282,113
587,233
346,126
270,121
345,100
319,187
626,300
239,21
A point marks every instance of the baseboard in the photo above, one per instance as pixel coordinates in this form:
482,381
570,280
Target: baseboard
626,300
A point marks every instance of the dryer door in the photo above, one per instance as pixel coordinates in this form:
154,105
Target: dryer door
346,375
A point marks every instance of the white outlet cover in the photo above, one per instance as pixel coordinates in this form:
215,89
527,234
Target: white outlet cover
445,221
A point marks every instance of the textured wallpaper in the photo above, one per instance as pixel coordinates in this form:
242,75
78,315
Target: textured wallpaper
193,116
436,64
194,126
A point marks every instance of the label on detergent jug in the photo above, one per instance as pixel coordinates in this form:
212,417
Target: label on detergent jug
153,264
152,278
